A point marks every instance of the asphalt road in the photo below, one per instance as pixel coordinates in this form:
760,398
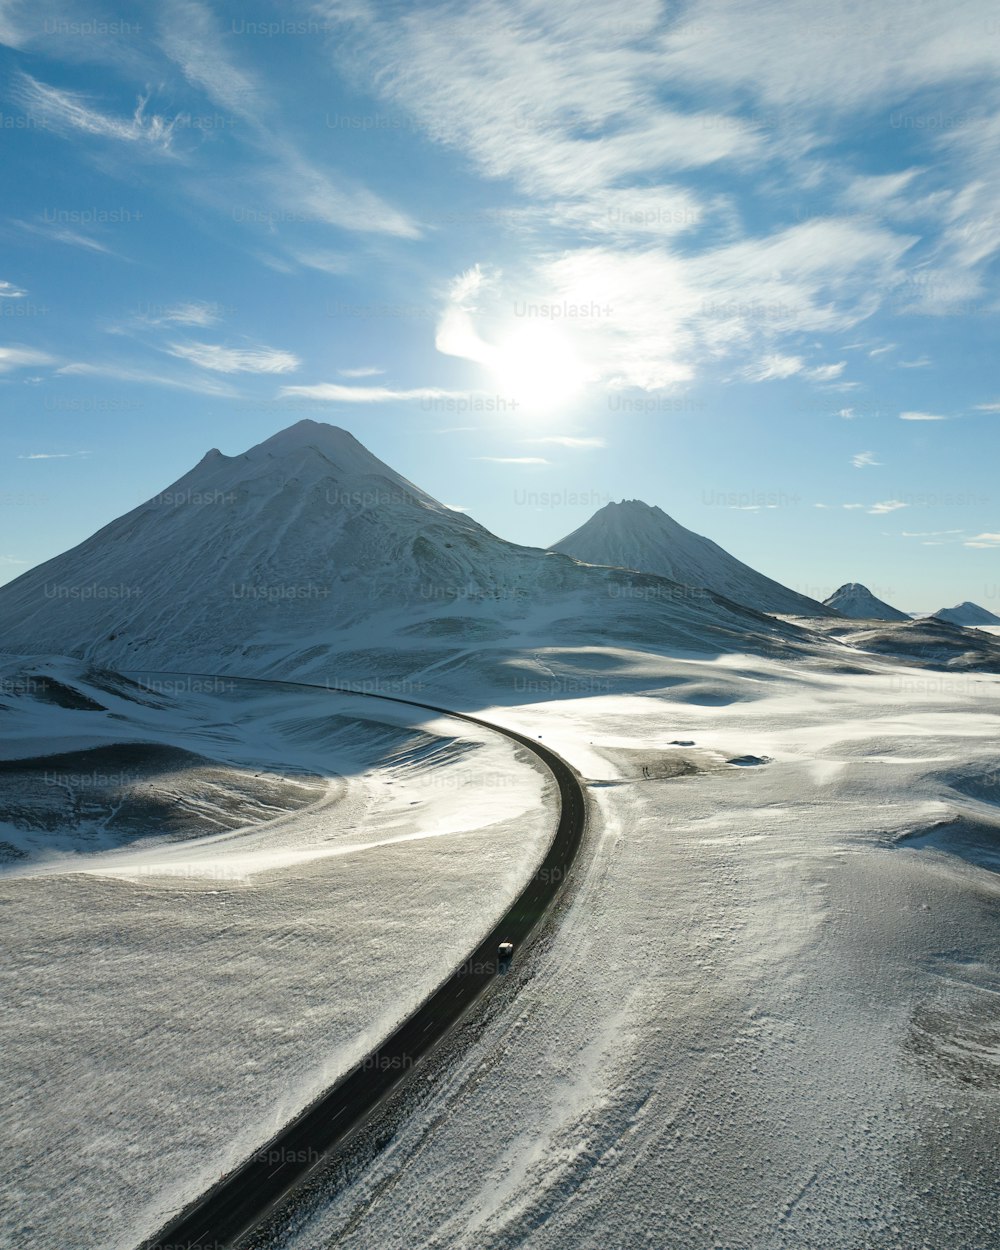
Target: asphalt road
241,1200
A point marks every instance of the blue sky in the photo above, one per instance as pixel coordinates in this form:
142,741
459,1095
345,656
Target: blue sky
736,260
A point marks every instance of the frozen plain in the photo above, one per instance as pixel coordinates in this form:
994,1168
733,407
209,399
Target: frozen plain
770,1016
170,1002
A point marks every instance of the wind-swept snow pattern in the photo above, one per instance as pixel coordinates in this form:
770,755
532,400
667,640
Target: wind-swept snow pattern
173,996
634,535
770,1016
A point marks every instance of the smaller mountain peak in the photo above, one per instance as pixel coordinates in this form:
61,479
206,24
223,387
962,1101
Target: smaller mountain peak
855,600
967,613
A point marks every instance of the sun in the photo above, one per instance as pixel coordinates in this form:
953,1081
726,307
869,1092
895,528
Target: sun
538,365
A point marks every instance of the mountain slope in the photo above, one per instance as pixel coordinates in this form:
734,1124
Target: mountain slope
968,614
634,535
308,546
857,602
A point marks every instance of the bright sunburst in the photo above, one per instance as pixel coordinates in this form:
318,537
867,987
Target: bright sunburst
539,366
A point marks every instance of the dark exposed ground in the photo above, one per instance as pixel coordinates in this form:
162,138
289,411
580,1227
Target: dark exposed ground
110,795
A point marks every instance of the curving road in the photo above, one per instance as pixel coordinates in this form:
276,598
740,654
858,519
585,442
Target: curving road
240,1201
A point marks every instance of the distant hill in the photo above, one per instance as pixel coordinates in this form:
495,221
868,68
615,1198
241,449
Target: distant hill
637,535
857,601
968,614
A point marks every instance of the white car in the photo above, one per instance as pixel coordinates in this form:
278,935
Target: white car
505,950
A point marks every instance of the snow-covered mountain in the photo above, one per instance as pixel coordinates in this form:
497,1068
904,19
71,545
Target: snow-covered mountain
857,601
636,535
967,614
308,545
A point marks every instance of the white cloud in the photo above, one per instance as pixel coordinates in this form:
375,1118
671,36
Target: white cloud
10,33
877,192
987,407
144,377
864,460
853,507
334,392
21,357
812,55
512,459
72,238
54,455
826,373
294,187
848,414
775,365
989,541
365,371
928,533
308,194
888,505
194,313
920,363
566,440
921,416
550,96
9,291
323,260
191,39
68,111
234,359
656,315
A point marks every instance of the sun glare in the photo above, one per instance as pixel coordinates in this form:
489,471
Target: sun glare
539,366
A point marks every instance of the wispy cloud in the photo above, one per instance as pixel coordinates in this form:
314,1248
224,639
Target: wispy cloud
365,371
928,533
774,365
296,186
656,316
984,540
864,460
566,440
888,505
9,291
62,234
55,455
69,111
334,392
10,33
553,98
192,313
142,376
324,260
22,357
190,37
512,459
921,416
235,359
838,62
987,407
